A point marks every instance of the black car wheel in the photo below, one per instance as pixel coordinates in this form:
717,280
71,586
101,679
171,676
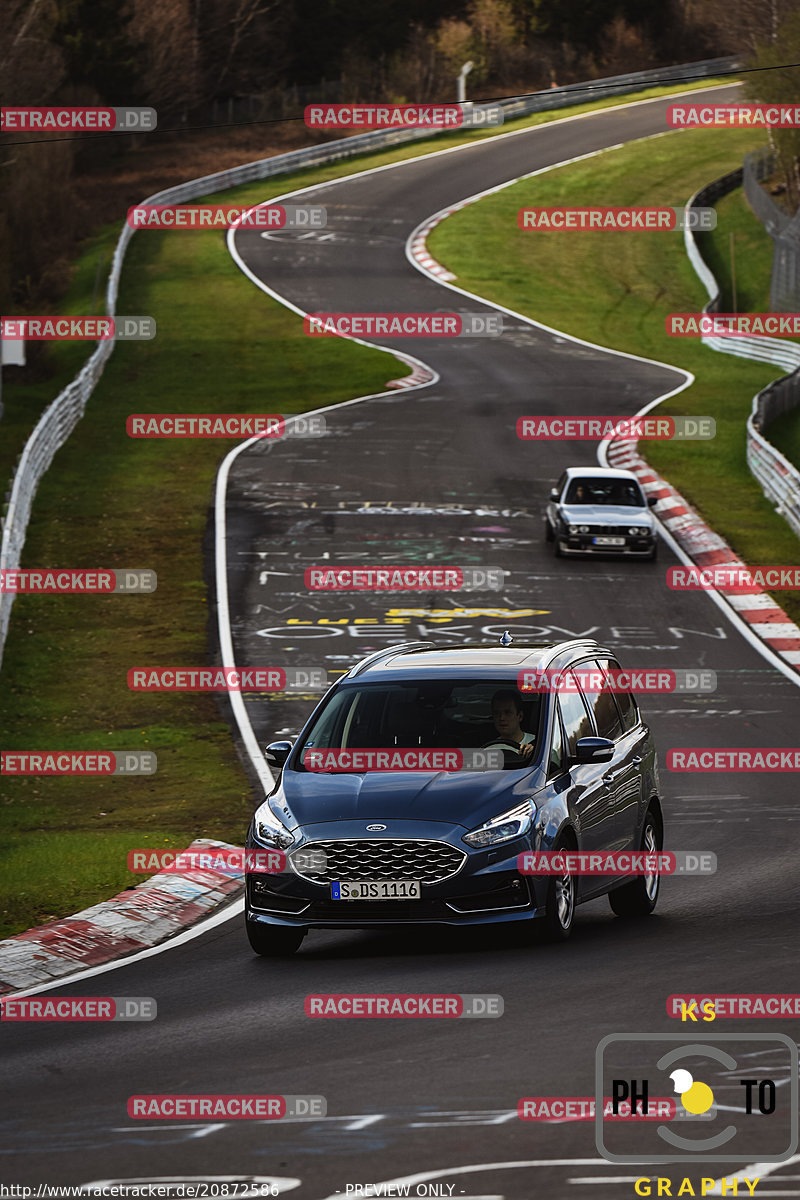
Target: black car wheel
272,942
560,904
557,545
653,555
639,898
548,531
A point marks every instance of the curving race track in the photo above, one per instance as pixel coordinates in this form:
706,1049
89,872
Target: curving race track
437,474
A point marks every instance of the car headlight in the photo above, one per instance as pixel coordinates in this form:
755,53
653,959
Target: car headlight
583,528
270,829
508,825
639,529
573,528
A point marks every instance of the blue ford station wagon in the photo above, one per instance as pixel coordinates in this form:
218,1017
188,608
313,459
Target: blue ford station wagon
372,848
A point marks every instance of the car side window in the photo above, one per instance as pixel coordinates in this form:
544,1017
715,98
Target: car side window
602,704
556,764
560,484
574,717
628,708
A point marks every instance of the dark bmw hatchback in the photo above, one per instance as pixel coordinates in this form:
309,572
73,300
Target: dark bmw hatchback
368,847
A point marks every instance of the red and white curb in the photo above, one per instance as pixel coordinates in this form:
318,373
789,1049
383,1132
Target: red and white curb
420,374
154,910
419,251
760,612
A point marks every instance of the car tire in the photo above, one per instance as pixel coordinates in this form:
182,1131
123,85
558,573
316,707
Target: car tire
557,546
560,904
270,941
548,531
653,555
639,898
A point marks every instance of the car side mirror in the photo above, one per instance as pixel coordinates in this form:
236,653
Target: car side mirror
594,750
276,753
652,501
554,494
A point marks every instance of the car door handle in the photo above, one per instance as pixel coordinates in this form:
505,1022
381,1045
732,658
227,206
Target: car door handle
612,775
637,758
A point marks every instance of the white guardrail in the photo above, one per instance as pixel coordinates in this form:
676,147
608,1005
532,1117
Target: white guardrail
60,418
780,481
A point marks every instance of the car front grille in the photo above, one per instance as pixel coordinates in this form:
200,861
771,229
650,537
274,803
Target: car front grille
383,858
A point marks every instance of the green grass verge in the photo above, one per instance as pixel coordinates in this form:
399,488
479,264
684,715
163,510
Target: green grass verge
109,501
617,291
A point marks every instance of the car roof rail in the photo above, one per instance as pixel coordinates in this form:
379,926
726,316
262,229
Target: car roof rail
572,645
386,652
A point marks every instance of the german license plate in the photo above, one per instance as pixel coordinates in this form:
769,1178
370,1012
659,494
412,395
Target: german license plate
608,541
376,889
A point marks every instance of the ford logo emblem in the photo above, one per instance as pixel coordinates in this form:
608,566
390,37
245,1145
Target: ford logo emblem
375,828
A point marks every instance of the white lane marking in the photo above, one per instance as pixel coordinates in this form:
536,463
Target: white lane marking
732,616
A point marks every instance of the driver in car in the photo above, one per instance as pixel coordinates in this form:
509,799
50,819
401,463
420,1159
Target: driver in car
507,712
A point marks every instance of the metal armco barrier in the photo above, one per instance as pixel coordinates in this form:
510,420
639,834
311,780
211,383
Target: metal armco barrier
784,291
60,418
780,481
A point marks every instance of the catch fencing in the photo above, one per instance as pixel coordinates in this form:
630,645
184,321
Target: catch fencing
784,290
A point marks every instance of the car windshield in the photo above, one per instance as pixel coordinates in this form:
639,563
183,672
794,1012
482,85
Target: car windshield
593,490
427,713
